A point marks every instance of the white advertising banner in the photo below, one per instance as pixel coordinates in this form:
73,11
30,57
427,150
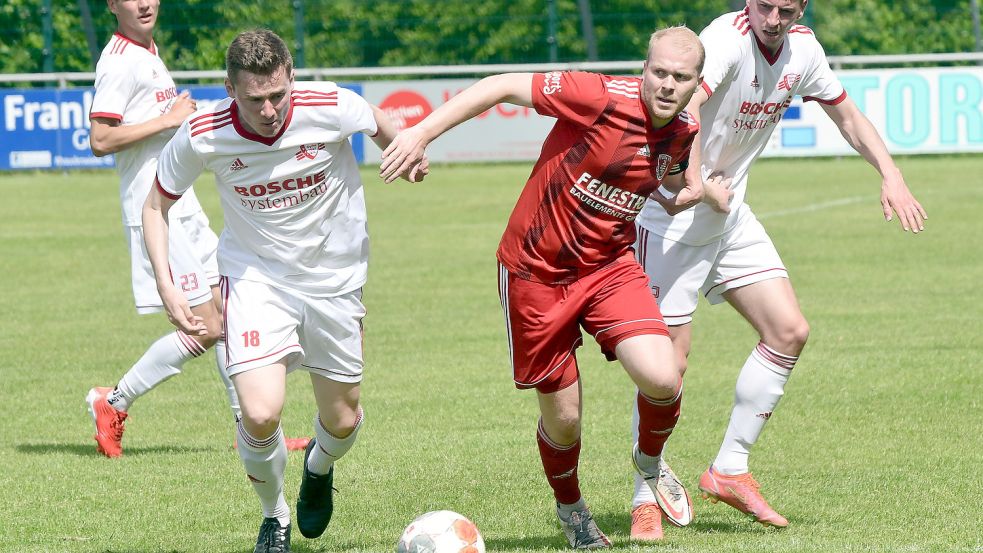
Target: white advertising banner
505,132
917,111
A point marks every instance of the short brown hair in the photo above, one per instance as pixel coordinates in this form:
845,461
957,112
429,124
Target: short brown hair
683,38
259,51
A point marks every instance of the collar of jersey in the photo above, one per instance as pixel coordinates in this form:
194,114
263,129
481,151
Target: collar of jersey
152,48
769,57
650,130
267,140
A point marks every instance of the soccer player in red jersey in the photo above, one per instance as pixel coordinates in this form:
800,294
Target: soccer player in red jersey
566,258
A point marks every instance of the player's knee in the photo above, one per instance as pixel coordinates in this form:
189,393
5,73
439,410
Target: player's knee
796,335
261,424
340,425
662,384
790,338
564,427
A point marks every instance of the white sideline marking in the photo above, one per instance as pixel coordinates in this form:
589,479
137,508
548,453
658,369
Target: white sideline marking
814,207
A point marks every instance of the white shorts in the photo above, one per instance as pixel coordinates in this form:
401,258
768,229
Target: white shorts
265,324
679,272
191,248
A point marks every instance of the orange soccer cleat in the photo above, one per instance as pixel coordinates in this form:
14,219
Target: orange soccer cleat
296,444
740,491
646,522
293,444
109,422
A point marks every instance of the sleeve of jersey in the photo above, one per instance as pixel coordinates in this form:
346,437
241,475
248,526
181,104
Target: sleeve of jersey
179,165
114,87
355,113
821,84
572,96
724,52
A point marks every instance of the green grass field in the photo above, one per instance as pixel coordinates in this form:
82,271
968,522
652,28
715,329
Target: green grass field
877,446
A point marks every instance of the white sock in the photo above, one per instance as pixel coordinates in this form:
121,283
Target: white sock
162,360
265,461
565,510
230,389
643,494
329,448
760,386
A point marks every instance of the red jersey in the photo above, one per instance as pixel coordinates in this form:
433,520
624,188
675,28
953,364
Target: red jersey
598,165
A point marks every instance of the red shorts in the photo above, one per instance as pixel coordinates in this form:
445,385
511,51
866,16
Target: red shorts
543,320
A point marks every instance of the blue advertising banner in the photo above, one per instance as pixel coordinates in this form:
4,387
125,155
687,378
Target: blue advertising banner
49,128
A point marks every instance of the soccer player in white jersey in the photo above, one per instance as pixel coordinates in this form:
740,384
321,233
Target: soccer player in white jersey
758,59
293,259
135,111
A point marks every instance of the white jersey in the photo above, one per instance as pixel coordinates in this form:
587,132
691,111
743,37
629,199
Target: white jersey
294,204
133,86
749,90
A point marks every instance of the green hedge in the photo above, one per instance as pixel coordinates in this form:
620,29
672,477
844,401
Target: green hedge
193,34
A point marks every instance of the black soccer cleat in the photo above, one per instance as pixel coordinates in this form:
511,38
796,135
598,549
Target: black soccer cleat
314,502
273,538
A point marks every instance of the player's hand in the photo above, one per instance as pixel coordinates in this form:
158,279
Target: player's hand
690,194
182,107
179,313
896,198
404,155
418,171
717,193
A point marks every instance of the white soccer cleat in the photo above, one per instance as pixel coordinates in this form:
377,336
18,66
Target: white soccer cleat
669,492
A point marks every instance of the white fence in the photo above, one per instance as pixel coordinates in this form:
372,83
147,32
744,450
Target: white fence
64,79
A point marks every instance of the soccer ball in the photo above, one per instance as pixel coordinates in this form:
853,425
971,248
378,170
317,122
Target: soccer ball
441,532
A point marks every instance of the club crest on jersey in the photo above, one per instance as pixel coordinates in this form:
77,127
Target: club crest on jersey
308,151
237,165
788,81
662,165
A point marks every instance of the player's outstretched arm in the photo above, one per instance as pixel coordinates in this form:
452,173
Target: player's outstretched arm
108,136
408,147
155,236
716,196
863,137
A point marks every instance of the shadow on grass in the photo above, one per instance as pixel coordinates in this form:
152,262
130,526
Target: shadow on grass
617,526
89,450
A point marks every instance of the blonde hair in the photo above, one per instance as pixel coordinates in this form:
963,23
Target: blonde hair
683,38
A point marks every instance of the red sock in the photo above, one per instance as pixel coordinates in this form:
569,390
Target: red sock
560,465
656,419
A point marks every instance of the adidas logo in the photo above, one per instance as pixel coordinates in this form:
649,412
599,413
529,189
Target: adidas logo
237,164
754,82
644,151
563,475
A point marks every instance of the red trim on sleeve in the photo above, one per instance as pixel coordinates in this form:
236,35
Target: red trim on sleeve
105,115
832,102
165,193
706,88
